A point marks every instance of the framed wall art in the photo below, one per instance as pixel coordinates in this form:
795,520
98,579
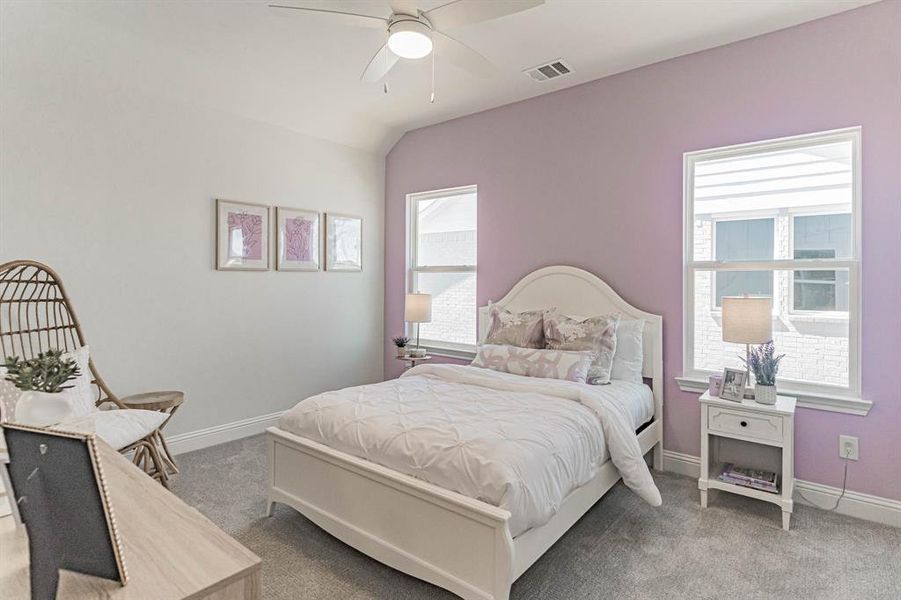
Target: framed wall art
343,242
297,232
242,236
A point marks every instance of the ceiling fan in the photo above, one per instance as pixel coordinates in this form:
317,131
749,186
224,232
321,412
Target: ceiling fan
412,34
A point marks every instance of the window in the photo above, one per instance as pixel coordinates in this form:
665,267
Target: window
777,219
442,262
744,239
828,237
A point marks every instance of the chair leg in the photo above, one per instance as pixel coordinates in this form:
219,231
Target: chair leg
164,452
159,466
147,458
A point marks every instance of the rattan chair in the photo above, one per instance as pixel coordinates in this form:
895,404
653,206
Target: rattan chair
36,315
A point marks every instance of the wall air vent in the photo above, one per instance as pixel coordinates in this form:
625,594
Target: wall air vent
552,70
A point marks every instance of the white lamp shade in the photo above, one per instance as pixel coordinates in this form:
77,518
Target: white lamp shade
418,308
747,320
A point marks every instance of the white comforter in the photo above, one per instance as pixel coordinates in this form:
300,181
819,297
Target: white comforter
519,443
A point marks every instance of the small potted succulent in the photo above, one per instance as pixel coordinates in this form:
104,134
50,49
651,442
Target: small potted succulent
41,381
401,343
763,362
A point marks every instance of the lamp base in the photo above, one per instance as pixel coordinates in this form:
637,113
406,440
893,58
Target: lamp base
749,391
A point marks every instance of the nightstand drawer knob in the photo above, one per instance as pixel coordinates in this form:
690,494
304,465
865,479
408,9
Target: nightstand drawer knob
744,423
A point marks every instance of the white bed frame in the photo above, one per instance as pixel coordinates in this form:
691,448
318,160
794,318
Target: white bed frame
455,542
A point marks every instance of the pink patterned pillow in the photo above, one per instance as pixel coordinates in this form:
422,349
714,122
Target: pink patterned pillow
597,334
532,362
525,329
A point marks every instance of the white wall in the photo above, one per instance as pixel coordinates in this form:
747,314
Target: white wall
114,187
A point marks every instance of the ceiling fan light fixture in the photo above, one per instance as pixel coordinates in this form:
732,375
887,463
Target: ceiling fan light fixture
410,39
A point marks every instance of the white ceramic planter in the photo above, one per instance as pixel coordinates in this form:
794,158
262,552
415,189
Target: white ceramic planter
765,394
401,352
42,408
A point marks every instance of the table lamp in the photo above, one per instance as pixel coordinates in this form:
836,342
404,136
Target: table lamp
747,320
418,309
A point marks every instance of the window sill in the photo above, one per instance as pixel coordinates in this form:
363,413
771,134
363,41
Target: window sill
450,352
849,405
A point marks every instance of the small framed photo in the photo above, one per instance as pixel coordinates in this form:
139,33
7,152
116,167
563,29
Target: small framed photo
343,243
298,239
242,236
733,385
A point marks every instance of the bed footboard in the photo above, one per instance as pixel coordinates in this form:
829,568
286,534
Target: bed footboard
447,539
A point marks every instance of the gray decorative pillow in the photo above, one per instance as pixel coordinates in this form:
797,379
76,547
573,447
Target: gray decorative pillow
524,330
596,334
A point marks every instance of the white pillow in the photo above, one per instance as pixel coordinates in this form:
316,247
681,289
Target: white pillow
534,362
118,428
9,395
81,394
629,356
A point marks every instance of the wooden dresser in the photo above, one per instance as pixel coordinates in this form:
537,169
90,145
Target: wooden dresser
171,551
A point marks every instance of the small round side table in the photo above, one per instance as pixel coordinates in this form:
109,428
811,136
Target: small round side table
412,360
166,402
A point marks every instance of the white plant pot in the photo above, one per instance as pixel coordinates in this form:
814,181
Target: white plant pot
401,352
42,408
765,394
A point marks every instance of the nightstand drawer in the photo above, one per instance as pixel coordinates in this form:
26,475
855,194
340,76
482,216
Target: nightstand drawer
762,427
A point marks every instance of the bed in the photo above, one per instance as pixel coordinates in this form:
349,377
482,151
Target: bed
411,521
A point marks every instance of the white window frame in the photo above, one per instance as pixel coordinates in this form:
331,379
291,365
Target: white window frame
436,347
810,395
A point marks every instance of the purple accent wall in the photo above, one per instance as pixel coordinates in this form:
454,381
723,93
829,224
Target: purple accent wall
591,176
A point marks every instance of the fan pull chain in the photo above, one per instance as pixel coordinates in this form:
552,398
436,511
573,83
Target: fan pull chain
385,84
432,97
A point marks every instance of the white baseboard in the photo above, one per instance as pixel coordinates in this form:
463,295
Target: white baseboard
219,434
853,504
683,464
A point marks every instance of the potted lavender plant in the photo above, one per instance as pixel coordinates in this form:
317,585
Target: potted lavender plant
763,362
401,343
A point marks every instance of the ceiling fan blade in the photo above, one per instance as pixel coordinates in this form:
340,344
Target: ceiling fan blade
464,12
462,55
379,65
404,7
351,19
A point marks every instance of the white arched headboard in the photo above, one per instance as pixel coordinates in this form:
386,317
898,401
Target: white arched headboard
576,292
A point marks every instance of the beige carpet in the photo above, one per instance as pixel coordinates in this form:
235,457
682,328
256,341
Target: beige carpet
621,549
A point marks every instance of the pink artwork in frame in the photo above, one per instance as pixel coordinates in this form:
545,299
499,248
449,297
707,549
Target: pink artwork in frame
242,236
298,239
245,236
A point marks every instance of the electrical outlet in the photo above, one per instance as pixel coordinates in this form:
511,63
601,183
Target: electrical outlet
847,447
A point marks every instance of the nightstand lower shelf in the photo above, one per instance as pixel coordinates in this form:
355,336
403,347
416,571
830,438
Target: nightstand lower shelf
716,484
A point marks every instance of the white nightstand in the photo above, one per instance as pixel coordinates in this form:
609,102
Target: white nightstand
749,434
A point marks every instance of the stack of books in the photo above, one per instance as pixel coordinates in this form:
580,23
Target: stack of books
766,481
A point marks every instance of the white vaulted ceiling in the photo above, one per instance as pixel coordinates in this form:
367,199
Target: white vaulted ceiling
301,71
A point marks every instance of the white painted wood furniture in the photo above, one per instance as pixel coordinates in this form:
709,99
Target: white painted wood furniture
751,435
455,542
